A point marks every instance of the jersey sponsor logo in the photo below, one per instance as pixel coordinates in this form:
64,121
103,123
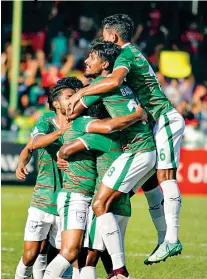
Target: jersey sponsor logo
81,216
33,226
126,91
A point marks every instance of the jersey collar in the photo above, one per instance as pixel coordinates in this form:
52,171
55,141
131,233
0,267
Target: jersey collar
53,120
127,44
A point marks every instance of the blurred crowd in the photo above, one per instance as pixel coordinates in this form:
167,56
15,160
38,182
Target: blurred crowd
59,48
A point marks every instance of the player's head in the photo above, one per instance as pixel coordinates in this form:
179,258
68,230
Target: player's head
102,56
60,94
118,27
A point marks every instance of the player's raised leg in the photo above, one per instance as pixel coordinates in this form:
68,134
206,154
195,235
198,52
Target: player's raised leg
168,134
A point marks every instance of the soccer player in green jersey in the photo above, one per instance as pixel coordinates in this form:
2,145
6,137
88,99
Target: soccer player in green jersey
137,141
78,185
43,219
168,123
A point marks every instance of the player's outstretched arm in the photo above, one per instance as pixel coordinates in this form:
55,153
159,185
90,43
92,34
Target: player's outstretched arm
107,126
114,80
70,148
24,159
41,141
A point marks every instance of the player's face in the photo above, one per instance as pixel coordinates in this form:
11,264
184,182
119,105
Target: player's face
109,35
94,65
64,100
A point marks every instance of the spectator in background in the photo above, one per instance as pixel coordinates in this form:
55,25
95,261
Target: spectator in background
172,92
25,108
191,38
59,48
5,115
199,107
50,74
186,87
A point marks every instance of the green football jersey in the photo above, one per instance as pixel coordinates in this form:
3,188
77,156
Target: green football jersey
118,102
49,178
111,147
143,81
80,176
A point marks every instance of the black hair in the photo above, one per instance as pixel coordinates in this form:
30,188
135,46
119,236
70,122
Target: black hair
122,24
98,110
66,82
106,50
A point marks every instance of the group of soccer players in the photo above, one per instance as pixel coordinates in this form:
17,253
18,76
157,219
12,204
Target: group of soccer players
124,134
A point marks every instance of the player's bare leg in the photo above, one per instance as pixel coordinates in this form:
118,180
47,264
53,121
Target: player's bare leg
109,228
172,203
34,260
71,241
106,260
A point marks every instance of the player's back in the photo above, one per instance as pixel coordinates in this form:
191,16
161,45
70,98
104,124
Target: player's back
143,81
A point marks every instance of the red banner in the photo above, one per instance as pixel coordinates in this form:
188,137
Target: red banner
192,172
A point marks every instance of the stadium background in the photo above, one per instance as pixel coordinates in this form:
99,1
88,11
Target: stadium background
54,40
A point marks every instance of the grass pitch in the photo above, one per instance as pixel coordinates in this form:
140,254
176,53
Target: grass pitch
140,238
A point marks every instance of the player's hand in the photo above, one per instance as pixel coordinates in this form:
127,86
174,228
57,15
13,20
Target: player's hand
141,113
21,172
65,128
62,164
74,99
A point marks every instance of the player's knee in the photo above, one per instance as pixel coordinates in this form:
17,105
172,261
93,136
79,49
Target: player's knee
29,257
98,207
70,253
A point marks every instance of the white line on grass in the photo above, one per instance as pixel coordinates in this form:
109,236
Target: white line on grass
7,249
182,256
11,233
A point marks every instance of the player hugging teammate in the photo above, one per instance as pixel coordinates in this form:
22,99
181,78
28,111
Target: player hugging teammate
110,156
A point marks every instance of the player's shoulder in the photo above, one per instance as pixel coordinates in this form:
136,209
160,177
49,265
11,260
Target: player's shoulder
97,79
129,51
47,116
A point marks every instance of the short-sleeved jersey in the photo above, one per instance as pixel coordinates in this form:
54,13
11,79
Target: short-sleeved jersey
143,81
111,147
118,102
49,178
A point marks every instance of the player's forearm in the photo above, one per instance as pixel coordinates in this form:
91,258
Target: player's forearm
100,87
71,148
107,126
122,122
24,157
41,141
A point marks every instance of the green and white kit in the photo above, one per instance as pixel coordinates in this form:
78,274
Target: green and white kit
109,150
169,124
42,215
137,141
